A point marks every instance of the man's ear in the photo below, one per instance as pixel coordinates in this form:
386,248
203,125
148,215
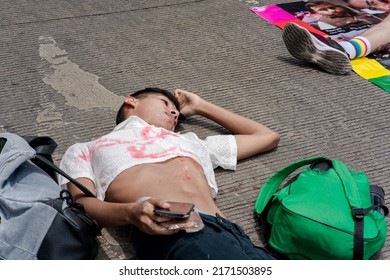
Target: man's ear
131,102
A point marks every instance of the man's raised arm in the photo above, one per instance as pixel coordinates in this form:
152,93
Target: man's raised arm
252,137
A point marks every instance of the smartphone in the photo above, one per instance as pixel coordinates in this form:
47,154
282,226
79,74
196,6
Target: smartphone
177,210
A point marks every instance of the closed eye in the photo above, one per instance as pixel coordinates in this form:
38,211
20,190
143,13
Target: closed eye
370,4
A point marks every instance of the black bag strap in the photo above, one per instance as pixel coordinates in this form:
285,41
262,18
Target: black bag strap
44,147
83,188
355,203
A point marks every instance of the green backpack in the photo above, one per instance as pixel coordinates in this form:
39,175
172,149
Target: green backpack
323,213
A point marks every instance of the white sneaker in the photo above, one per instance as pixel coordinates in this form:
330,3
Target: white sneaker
313,48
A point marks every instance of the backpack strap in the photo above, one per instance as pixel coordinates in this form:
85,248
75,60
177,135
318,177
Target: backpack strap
44,147
48,163
355,202
273,183
349,184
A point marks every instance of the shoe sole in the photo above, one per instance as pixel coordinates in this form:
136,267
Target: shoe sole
302,45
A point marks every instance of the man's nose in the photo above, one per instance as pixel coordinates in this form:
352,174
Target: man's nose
175,113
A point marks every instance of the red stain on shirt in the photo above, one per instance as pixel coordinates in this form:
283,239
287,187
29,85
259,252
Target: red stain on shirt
136,150
84,157
139,152
148,133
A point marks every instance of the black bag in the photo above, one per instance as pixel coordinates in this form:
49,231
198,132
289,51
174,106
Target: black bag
38,219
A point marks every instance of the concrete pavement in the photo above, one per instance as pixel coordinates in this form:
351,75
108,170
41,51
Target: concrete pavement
66,66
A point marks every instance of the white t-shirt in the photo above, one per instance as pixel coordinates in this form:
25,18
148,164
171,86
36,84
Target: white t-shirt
135,142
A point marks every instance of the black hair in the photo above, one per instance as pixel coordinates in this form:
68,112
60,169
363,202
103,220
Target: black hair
120,117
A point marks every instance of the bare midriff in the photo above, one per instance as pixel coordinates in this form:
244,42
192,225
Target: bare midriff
178,179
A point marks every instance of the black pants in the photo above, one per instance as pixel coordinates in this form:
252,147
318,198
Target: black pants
218,240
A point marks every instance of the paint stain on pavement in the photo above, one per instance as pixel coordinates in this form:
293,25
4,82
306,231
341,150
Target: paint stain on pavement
81,89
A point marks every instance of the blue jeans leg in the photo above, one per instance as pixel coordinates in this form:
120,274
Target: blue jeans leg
218,240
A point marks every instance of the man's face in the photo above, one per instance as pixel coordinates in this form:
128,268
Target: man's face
329,10
380,5
158,110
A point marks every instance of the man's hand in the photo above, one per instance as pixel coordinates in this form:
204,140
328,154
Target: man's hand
189,102
147,221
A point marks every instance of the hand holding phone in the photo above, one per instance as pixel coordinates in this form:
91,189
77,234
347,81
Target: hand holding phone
177,210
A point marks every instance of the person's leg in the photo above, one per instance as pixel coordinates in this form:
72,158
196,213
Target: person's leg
378,35
218,240
331,56
226,240
372,40
356,47
319,50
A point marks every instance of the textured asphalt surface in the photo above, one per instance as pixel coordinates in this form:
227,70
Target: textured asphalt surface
65,67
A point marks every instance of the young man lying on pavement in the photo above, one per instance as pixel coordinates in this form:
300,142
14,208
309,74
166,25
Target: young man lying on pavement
142,164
